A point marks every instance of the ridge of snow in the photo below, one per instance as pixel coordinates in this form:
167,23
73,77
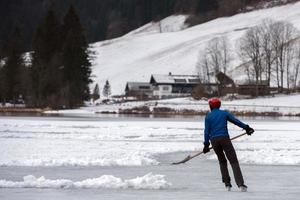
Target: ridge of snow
148,181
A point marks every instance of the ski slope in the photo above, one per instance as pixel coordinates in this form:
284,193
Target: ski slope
146,51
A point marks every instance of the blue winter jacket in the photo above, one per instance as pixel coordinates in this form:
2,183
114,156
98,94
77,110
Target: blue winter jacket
216,124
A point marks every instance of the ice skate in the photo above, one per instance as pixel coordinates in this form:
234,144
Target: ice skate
243,188
228,186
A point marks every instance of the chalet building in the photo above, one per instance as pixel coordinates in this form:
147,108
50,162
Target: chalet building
255,90
141,90
165,86
225,84
168,86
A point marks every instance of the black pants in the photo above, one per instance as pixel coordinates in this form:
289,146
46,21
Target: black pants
223,145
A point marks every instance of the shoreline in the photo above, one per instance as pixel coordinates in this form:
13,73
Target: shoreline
8,110
157,111
278,106
190,112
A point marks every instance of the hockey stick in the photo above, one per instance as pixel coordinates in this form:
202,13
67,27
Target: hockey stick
189,157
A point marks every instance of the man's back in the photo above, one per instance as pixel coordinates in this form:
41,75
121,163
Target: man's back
216,123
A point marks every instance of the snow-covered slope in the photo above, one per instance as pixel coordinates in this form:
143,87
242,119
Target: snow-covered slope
137,55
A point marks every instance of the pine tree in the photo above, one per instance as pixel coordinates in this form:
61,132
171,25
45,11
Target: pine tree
13,68
2,95
46,64
76,65
96,92
106,89
207,5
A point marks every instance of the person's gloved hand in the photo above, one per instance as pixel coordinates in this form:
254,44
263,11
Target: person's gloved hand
206,148
249,130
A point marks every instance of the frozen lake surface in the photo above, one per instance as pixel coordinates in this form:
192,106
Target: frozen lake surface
129,158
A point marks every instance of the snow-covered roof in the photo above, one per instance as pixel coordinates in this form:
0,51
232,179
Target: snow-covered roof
27,58
137,85
174,79
2,62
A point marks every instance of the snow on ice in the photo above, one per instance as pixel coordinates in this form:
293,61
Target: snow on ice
65,142
148,182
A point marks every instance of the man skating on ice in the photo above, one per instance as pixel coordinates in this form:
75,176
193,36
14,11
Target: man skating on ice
217,133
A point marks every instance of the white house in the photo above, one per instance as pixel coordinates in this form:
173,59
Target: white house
165,86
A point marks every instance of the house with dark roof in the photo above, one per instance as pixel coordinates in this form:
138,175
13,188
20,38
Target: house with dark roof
169,85
141,90
253,89
165,86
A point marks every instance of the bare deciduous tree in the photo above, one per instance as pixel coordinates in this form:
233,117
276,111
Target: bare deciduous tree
226,55
215,58
267,50
202,67
283,39
218,52
296,66
250,49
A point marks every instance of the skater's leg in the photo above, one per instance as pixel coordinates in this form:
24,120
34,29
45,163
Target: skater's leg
225,173
231,156
222,162
237,174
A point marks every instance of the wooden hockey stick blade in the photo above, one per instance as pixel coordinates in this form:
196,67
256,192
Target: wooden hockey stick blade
189,157
183,161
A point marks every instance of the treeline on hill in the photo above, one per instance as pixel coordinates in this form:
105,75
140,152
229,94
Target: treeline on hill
104,19
58,74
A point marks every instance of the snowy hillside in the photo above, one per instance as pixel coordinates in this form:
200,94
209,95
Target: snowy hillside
168,47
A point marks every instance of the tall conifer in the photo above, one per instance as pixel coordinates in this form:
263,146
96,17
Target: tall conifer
46,64
96,92
13,68
106,89
76,65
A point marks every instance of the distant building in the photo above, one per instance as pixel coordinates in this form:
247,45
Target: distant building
168,86
255,89
141,90
165,86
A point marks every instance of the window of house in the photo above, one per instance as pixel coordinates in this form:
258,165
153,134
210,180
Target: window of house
144,87
165,88
180,80
196,80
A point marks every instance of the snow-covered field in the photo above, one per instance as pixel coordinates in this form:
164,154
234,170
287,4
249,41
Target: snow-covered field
146,51
67,142
280,104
